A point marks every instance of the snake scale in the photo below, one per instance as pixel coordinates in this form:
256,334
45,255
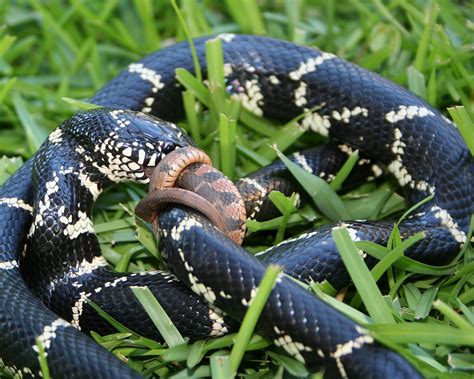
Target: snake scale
50,262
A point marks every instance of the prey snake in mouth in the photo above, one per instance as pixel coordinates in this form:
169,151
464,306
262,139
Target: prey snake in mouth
50,261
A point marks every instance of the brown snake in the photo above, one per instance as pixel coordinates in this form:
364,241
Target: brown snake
186,176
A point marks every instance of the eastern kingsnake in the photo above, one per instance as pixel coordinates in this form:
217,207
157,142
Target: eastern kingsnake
48,202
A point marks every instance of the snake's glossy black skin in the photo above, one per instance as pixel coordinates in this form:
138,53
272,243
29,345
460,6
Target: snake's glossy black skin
48,203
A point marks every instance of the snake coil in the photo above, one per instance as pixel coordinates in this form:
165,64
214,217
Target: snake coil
50,262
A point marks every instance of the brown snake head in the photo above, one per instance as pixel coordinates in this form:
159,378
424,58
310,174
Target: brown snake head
186,176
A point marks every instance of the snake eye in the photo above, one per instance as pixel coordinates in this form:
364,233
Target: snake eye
169,147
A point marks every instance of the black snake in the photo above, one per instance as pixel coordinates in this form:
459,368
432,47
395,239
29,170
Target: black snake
48,203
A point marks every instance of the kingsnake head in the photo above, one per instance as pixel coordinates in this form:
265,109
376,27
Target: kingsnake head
123,145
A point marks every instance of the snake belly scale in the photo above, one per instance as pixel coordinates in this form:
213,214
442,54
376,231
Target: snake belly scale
44,287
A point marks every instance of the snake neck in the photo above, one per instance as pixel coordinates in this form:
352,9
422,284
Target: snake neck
61,241
15,215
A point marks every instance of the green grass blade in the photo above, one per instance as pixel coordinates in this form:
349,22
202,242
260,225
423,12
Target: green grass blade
465,124
321,193
194,85
424,333
286,206
423,45
380,6
254,156
466,311
412,208
42,360
251,317
189,102
286,136
145,11
257,124
35,134
412,295
158,315
406,263
294,367
6,88
116,324
247,14
5,43
360,275
344,171
416,82
432,89
197,66
394,255
220,365
228,135
196,353
215,66
452,315
423,308
80,104
350,312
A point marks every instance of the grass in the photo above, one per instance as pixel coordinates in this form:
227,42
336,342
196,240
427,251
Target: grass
54,57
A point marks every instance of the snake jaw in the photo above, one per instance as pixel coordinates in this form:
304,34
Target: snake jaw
151,140
127,143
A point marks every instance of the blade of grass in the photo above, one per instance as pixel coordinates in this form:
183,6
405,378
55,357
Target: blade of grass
5,43
294,367
220,365
286,206
116,324
432,89
144,8
197,66
389,16
406,263
423,308
196,353
261,161
465,124
416,82
248,16
286,136
189,102
412,295
43,362
251,317
215,68
424,333
35,134
360,275
6,88
80,104
158,315
194,85
344,171
321,193
452,315
394,255
350,312
466,311
228,135
423,44
389,259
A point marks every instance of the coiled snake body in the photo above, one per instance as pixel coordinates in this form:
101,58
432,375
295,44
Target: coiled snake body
48,202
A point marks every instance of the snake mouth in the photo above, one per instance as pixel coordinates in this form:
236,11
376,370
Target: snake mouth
150,164
149,171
